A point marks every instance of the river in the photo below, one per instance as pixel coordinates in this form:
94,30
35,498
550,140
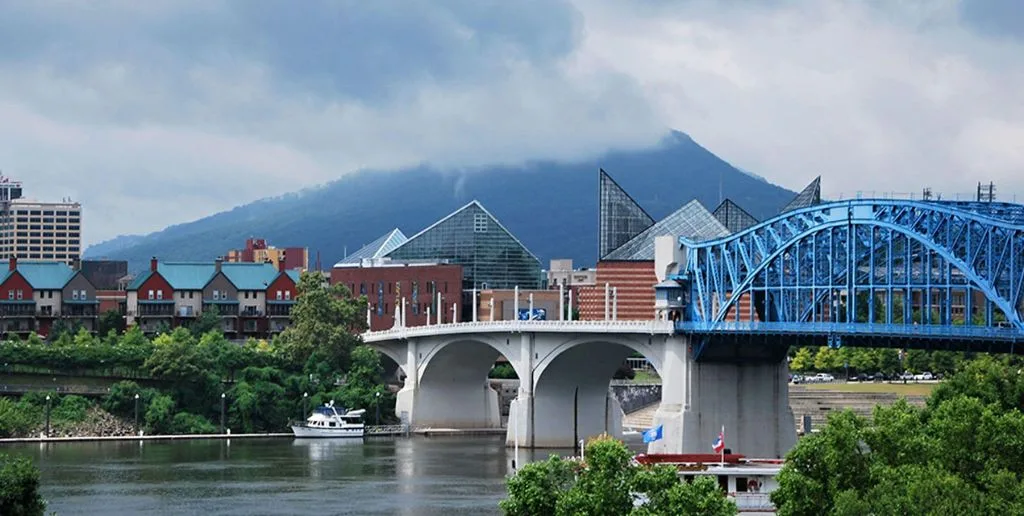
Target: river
407,476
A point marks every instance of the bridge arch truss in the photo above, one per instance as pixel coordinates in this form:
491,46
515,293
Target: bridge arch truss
949,270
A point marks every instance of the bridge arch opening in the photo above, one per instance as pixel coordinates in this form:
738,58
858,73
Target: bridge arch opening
573,394
454,390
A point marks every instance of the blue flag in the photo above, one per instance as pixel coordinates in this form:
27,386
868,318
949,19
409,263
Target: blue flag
653,434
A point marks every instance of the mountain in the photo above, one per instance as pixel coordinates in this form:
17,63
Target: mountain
550,206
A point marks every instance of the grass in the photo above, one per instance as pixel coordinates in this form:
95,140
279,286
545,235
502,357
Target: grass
646,377
908,389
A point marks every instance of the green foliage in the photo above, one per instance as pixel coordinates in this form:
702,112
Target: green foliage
962,453
160,415
19,488
110,321
187,423
503,372
120,401
71,409
208,321
325,324
606,483
803,360
16,419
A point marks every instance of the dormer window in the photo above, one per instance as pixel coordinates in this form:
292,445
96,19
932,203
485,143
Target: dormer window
151,295
280,296
287,295
74,295
159,294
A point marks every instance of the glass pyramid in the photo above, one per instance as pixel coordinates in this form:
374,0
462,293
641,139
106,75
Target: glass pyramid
491,257
378,248
810,196
621,218
692,221
734,218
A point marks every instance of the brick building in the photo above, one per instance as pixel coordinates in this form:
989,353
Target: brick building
35,294
385,283
257,251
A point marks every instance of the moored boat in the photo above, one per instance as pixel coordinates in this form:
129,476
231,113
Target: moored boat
748,482
328,421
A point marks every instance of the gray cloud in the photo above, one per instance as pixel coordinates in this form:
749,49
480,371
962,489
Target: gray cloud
157,112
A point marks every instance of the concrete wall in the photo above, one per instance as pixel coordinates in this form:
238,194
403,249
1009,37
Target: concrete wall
635,397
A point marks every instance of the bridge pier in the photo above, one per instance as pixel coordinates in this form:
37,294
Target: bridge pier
749,397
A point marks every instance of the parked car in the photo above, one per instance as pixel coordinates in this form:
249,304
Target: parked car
880,377
925,376
862,377
796,378
824,377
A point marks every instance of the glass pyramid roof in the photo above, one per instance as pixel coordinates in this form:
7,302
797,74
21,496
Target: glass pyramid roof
734,218
810,196
378,248
621,218
491,257
692,221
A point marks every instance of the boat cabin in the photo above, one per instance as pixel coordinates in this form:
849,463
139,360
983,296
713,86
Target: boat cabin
749,482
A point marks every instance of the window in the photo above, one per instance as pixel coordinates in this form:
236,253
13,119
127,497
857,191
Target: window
362,289
81,294
159,294
74,295
190,294
280,296
151,295
288,295
10,294
20,294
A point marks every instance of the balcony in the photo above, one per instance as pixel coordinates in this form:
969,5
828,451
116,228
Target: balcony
12,309
156,309
251,311
80,309
279,308
224,308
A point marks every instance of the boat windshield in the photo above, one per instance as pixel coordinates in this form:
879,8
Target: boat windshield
328,411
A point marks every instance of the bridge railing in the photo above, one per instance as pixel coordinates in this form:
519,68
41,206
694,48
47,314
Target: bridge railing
909,330
653,327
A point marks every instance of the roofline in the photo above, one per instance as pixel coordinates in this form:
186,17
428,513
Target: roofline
638,235
734,203
603,172
456,212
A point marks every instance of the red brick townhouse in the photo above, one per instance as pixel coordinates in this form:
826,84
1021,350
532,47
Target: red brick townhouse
253,299
33,295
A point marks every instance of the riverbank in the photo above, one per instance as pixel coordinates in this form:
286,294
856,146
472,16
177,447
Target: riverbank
183,437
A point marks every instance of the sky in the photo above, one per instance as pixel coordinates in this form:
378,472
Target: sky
159,112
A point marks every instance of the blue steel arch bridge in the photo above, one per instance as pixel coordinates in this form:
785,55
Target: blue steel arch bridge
865,272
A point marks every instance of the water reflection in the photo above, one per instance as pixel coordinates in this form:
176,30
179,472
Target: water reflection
415,476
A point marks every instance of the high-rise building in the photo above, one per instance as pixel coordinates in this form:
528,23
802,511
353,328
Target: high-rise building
33,230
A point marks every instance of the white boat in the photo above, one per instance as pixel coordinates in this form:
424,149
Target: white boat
748,482
327,421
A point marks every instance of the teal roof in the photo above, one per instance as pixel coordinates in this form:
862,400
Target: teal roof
139,280
195,276
294,275
46,275
250,276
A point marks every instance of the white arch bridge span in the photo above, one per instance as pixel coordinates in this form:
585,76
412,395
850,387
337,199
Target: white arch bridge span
565,368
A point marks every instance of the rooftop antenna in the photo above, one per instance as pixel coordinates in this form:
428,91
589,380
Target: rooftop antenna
926,195
986,193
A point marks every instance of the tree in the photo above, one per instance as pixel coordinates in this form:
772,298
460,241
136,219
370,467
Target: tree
803,360
962,453
209,320
326,323
19,488
827,359
110,320
607,483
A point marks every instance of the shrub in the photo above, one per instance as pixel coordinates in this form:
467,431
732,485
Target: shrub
503,372
72,409
186,423
19,488
16,419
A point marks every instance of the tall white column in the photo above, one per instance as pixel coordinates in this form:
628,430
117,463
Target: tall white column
455,313
490,305
474,305
367,316
530,317
561,302
403,312
428,316
607,307
515,305
440,309
615,303
569,314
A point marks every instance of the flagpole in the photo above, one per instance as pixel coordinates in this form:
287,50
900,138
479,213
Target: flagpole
723,445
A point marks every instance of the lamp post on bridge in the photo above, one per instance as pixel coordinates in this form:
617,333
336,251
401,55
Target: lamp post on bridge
305,398
223,404
136,413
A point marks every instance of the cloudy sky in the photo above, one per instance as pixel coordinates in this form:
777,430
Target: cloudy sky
157,112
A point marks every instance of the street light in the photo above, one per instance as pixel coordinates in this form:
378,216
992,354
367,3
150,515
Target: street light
378,408
136,413
305,397
222,404
47,415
